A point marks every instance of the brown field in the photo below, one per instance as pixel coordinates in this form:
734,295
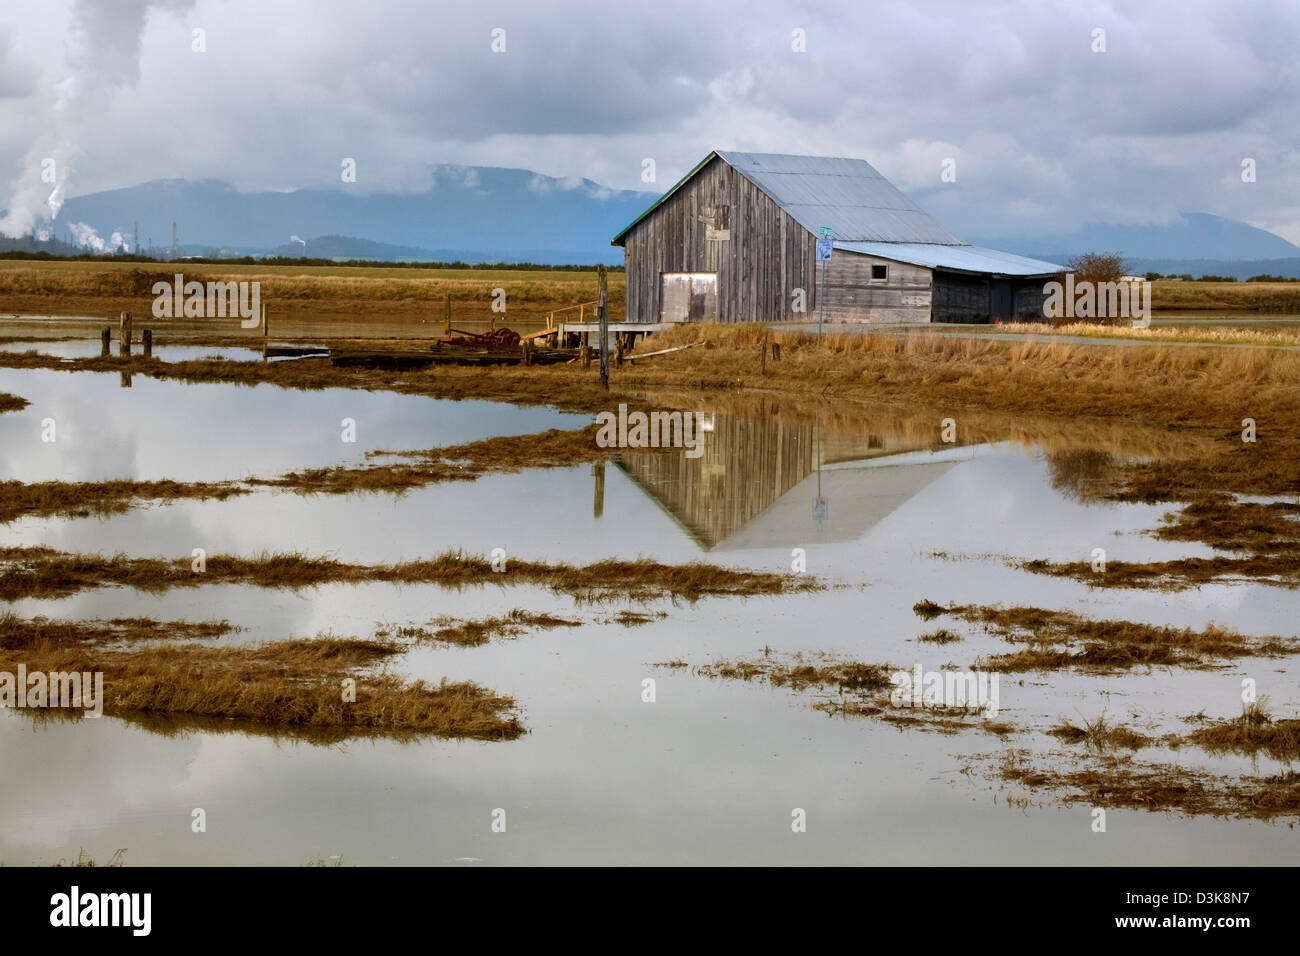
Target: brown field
293,294
386,293
1179,296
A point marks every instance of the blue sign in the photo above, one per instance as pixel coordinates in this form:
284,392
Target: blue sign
823,250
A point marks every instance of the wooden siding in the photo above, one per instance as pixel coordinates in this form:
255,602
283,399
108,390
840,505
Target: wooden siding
1029,297
765,256
853,296
960,298
968,298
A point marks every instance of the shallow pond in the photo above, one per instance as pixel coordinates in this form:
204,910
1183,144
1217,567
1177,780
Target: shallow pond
711,770
211,432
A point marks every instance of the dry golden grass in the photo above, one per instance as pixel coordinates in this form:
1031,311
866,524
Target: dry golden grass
292,685
1176,575
1118,782
476,633
12,403
630,618
1060,639
115,860
799,673
45,572
861,689
17,632
509,453
77,499
1101,735
468,462
1254,732
1211,335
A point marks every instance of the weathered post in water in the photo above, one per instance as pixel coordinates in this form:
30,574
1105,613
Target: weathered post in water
105,341
124,334
446,313
147,338
598,469
602,309
762,350
266,329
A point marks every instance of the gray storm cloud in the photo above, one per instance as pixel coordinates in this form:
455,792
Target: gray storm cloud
1045,132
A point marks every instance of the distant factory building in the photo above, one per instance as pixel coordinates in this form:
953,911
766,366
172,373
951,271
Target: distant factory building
736,241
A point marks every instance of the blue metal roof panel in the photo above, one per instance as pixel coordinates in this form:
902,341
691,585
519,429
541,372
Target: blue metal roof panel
961,257
848,195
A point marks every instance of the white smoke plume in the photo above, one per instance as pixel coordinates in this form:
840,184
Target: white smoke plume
85,237
103,57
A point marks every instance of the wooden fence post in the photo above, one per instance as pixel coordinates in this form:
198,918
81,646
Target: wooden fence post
105,340
147,337
446,312
124,334
602,309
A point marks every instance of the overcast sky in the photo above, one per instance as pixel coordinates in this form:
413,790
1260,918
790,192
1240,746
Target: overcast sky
1045,132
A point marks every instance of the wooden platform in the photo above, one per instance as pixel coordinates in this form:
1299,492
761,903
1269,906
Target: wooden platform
620,326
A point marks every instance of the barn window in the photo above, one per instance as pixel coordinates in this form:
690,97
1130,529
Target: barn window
879,272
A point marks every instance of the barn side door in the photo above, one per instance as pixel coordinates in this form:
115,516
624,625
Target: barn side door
688,296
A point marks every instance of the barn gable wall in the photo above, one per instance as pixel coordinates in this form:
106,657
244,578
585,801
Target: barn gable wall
764,256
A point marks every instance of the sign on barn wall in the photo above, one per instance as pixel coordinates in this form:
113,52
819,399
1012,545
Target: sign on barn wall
717,225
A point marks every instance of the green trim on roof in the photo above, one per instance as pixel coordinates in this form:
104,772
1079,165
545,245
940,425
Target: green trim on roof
662,199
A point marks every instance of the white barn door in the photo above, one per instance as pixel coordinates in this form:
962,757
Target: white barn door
688,296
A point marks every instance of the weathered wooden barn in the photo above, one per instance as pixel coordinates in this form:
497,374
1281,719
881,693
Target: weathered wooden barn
736,241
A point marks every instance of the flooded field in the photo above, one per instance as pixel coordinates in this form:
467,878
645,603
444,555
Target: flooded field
697,766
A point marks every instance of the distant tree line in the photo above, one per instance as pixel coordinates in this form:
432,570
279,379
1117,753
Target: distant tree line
1186,277
1111,267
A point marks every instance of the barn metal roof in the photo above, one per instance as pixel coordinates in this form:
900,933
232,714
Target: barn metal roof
961,258
848,195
